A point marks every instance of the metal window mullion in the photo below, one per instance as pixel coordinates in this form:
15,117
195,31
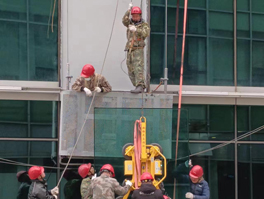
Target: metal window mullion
251,44
29,129
250,153
207,43
208,120
28,61
235,45
236,152
166,35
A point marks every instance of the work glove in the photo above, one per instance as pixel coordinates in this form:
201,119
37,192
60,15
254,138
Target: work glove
128,183
94,176
55,191
189,195
188,163
132,28
55,196
130,6
97,89
88,92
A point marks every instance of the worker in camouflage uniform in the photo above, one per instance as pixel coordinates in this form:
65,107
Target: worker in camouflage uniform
137,31
91,81
86,171
106,186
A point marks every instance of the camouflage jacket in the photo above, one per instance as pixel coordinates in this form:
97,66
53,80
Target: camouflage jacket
86,182
141,33
105,187
80,83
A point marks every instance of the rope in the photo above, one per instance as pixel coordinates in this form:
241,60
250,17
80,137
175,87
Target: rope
161,82
54,6
49,18
180,91
93,95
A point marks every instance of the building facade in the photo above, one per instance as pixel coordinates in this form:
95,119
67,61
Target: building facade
44,41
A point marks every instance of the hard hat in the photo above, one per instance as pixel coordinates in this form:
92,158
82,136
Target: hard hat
84,169
108,167
196,172
166,197
87,70
19,174
146,176
136,10
35,171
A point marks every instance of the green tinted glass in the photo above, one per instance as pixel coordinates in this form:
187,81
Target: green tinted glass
243,62
221,24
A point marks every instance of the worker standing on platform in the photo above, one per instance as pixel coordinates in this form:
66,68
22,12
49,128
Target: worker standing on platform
38,188
137,31
147,190
86,171
199,188
91,81
106,186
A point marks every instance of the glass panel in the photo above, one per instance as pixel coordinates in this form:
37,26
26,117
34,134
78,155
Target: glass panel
258,63
256,121
116,127
219,169
13,60
243,25
15,119
221,5
157,20
152,2
156,57
13,130
194,61
184,124
196,21
9,149
42,148
242,120
41,112
250,167
41,11
243,5
258,26
243,62
13,9
221,24
221,70
197,121
257,5
15,111
43,54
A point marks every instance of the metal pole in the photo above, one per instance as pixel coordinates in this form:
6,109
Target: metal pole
166,48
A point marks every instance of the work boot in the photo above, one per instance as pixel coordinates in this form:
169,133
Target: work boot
139,89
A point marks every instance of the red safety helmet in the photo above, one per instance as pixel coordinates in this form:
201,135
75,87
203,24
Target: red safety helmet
19,174
87,70
146,176
84,169
108,167
136,10
196,172
35,171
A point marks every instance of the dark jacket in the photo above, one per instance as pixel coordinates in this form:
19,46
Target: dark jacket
199,190
72,189
38,190
23,191
147,191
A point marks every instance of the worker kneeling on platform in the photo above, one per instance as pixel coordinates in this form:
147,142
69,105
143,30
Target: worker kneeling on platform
38,188
137,31
91,81
106,186
147,190
86,171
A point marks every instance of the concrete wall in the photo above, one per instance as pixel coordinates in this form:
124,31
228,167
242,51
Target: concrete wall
86,27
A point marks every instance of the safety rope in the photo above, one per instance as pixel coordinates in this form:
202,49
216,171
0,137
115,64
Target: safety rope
93,95
180,90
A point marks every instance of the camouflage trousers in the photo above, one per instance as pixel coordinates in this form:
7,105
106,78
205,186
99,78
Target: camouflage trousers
135,66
